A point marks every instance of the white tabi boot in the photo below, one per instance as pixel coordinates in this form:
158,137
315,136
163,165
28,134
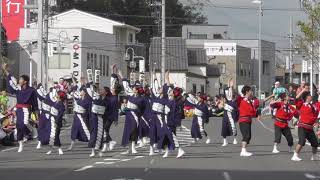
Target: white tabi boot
295,157
225,142
180,153
144,140
105,148
60,152
166,154
20,149
39,145
93,153
245,153
71,146
141,144
290,150
208,141
111,145
275,149
151,153
133,148
235,142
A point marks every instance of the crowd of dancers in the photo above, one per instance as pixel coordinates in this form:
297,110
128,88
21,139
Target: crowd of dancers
152,115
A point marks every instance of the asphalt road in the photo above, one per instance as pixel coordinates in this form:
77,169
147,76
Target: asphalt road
201,161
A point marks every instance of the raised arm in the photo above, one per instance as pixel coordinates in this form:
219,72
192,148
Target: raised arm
192,99
12,84
126,86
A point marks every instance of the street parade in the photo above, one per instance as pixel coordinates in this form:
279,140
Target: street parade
152,115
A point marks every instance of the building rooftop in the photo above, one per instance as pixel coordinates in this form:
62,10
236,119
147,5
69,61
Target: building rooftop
176,53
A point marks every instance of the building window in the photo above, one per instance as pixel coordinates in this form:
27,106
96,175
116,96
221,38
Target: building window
241,69
103,65
91,61
202,89
194,88
217,36
100,63
222,68
198,36
95,63
88,61
60,61
249,72
107,66
130,38
265,67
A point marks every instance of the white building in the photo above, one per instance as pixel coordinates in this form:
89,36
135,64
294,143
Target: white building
250,52
78,41
188,69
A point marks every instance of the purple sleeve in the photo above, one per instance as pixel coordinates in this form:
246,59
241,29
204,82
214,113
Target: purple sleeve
34,101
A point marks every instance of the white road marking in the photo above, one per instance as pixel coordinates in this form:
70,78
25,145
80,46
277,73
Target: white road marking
84,168
111,159
264,126
5,150
311,176
226,176
108,163
125,160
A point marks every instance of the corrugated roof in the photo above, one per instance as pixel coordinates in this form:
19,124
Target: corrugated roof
176,53
197,56
213,70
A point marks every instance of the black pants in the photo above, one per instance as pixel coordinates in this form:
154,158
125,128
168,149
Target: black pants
309,135
245,129
107,127
286,132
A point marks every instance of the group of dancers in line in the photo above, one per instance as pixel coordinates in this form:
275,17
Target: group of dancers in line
153,113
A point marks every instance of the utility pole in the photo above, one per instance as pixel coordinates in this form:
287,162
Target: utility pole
291,49
163,42
40,39
45,38
312,54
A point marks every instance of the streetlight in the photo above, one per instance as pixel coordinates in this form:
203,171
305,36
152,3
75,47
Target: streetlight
133,63
260,3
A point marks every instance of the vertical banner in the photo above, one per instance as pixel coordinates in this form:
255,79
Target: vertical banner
13,17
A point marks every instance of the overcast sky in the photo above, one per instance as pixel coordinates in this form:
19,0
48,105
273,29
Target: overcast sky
244,23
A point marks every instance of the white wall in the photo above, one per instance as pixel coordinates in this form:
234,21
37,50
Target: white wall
177,78
201,70
198,82
213,86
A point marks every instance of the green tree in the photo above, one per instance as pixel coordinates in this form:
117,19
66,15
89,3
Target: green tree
308,42
138,13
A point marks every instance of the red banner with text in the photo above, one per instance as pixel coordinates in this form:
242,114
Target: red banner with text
13,17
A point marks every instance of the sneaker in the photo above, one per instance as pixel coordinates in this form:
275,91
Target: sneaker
20,147
275,150
225,143
245,153
92,154
180,153
39,145
296,158
60,152
100,154
166,154
133,149
104,147
208,141
151,153
235,141
112,144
